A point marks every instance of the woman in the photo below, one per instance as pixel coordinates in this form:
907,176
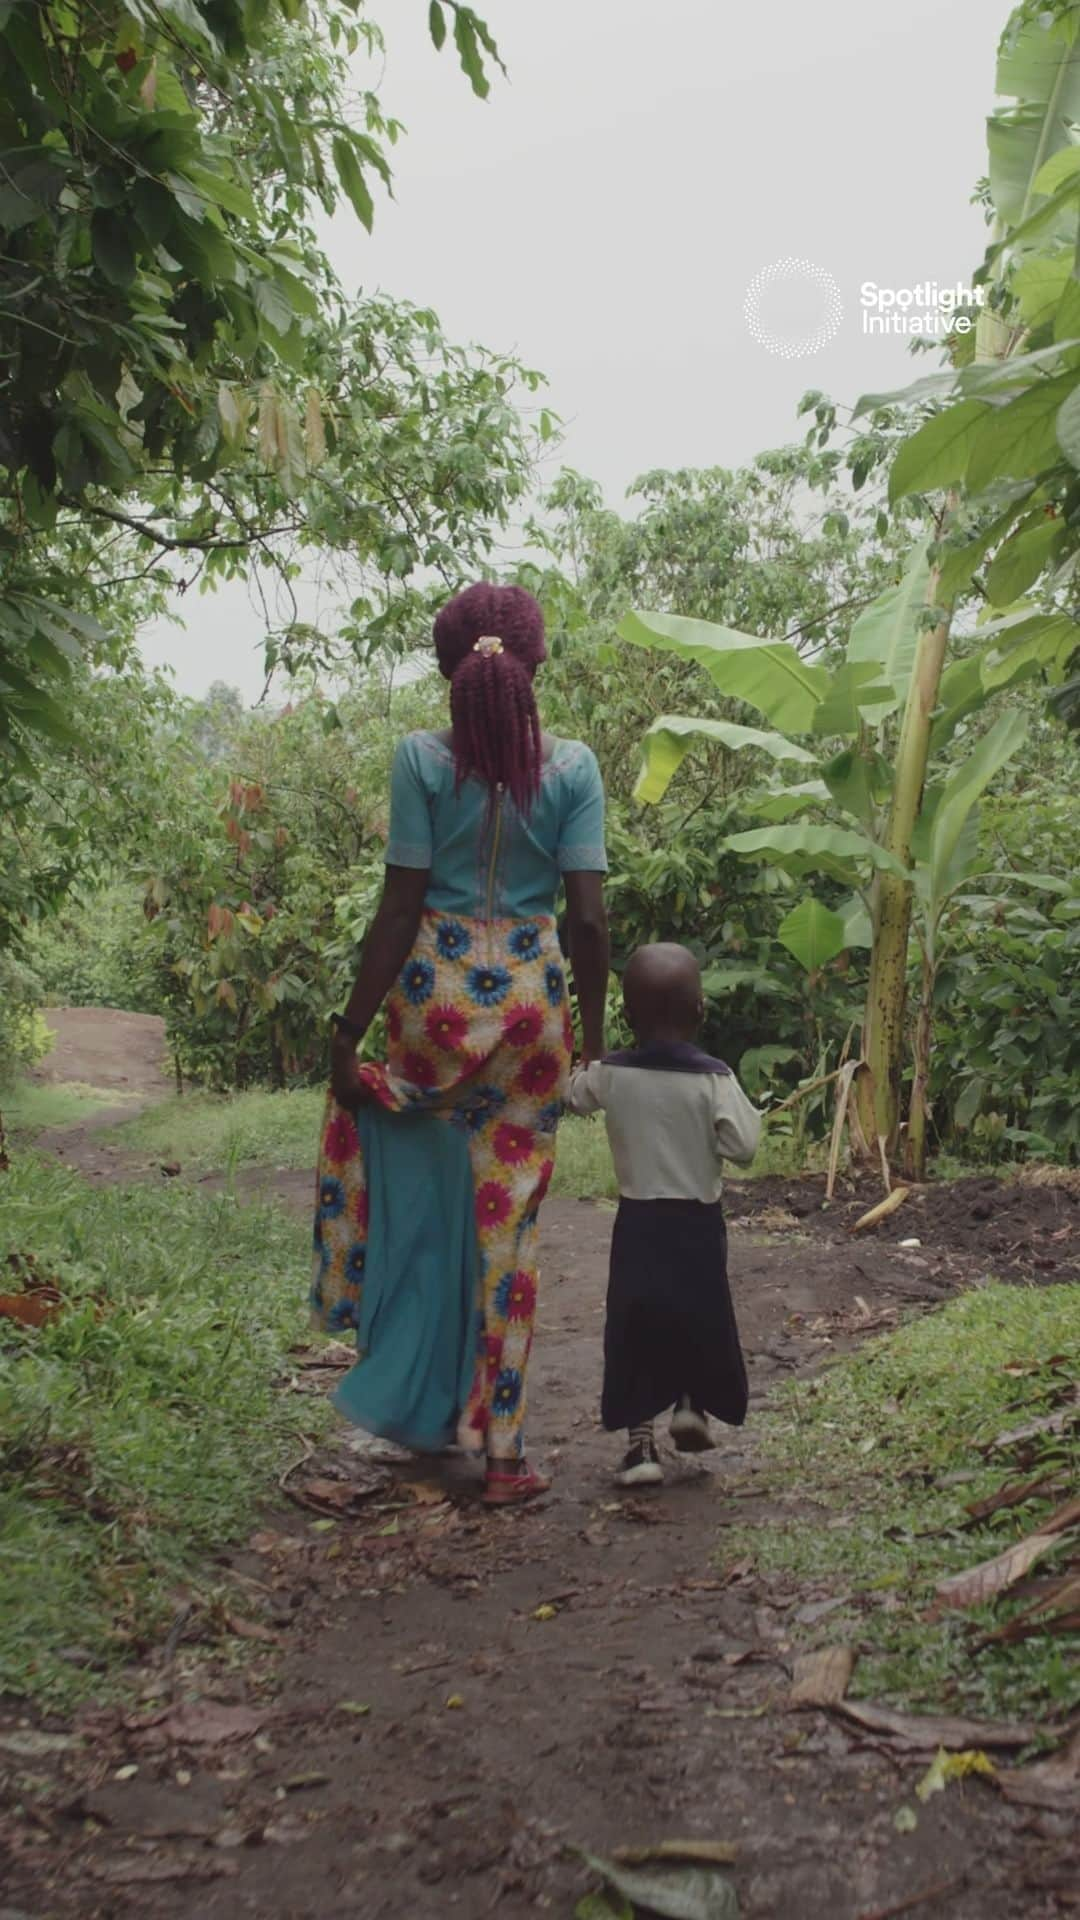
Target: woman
426,1232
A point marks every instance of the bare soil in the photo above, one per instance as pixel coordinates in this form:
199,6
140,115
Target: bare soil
440,1703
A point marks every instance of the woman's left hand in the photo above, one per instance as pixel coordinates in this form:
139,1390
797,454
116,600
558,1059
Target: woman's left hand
346,1084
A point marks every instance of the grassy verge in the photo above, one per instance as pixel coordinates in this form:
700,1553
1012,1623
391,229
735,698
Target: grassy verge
208,1132
31,1106
884,1450
138,1429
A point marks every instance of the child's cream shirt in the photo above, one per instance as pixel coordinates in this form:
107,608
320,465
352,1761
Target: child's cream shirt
673,1114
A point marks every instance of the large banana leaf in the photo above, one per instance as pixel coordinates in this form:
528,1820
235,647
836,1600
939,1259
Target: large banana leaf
767,674
936,455
1039,68
670,739
1020,437
857,692
813,933
963,788
804,847
783,803
887,631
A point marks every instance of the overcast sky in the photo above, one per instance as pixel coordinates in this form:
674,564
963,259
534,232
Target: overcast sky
605,210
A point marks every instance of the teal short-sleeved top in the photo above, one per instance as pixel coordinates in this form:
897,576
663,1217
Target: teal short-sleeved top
494,865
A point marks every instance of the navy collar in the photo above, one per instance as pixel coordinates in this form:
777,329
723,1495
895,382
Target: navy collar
676,1056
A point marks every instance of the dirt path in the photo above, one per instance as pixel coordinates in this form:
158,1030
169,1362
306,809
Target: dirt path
417,1732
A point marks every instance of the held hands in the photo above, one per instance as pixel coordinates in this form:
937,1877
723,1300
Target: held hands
346,1085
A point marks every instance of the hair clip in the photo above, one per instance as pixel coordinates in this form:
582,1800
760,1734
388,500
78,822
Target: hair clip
488,644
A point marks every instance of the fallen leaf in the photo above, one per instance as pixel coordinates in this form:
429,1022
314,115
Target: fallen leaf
300,1782
1012,1494
603,1906
201,1723
546,1612
1034,1430
122,1872
881,1212
424,1494
679,1893
905,1819
1049,1783
245,1629
456,1700
953,1766
821,1679
716,1853
926,1732
324,1526
1062,1518
357,1707
975,1585
126,1773
31,1744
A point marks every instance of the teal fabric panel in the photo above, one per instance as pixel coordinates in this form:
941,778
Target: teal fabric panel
417,1333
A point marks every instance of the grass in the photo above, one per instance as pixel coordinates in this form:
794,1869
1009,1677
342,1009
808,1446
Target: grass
208,1131
884,1450
31,1106
138,1430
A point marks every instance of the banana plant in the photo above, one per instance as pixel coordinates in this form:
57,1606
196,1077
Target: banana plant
1001,446
839,820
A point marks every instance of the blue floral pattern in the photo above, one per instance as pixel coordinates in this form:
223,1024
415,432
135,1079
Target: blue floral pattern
487,985
547,1120
554,983
524,942
506,1393
418,981
453,940
331,1198
355,1262
484,1104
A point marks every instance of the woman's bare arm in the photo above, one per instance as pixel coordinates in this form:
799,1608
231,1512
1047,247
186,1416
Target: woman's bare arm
386,949
587,935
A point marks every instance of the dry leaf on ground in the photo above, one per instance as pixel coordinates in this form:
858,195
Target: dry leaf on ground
975,1585
124,1872
678,1893
1049,1783
926,1732
882,1211
821,1679
201,1723
1012,1494
716,1853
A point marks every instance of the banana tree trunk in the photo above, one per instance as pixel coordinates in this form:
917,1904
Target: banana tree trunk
877,1091
919,1104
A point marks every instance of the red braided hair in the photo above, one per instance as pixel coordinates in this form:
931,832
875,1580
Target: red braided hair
495,724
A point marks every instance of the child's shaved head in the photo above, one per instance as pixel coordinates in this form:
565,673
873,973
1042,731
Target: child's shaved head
662,992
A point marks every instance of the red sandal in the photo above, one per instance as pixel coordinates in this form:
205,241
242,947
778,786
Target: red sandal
513,1489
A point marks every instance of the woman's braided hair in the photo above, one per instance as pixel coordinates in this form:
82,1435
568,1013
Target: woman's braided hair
495,724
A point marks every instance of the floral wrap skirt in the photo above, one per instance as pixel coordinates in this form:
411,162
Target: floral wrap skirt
479,1033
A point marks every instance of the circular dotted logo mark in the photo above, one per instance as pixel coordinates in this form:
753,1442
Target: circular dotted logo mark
793,307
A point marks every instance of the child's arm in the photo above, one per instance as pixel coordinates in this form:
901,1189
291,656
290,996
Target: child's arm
586,1094
737,1122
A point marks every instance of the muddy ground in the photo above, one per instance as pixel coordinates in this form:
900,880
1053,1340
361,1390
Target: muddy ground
436,1704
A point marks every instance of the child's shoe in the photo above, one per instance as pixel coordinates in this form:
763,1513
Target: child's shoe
690,1429
640,1464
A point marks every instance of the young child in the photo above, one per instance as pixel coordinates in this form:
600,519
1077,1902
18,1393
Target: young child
673,1114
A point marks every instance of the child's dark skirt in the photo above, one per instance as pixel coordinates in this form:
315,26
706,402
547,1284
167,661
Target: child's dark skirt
670,1321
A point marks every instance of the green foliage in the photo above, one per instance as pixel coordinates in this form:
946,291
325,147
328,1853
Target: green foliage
128,1448
886,1449
90,953
207,1131
24,1036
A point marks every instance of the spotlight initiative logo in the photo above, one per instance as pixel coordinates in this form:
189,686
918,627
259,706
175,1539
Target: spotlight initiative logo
793,308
